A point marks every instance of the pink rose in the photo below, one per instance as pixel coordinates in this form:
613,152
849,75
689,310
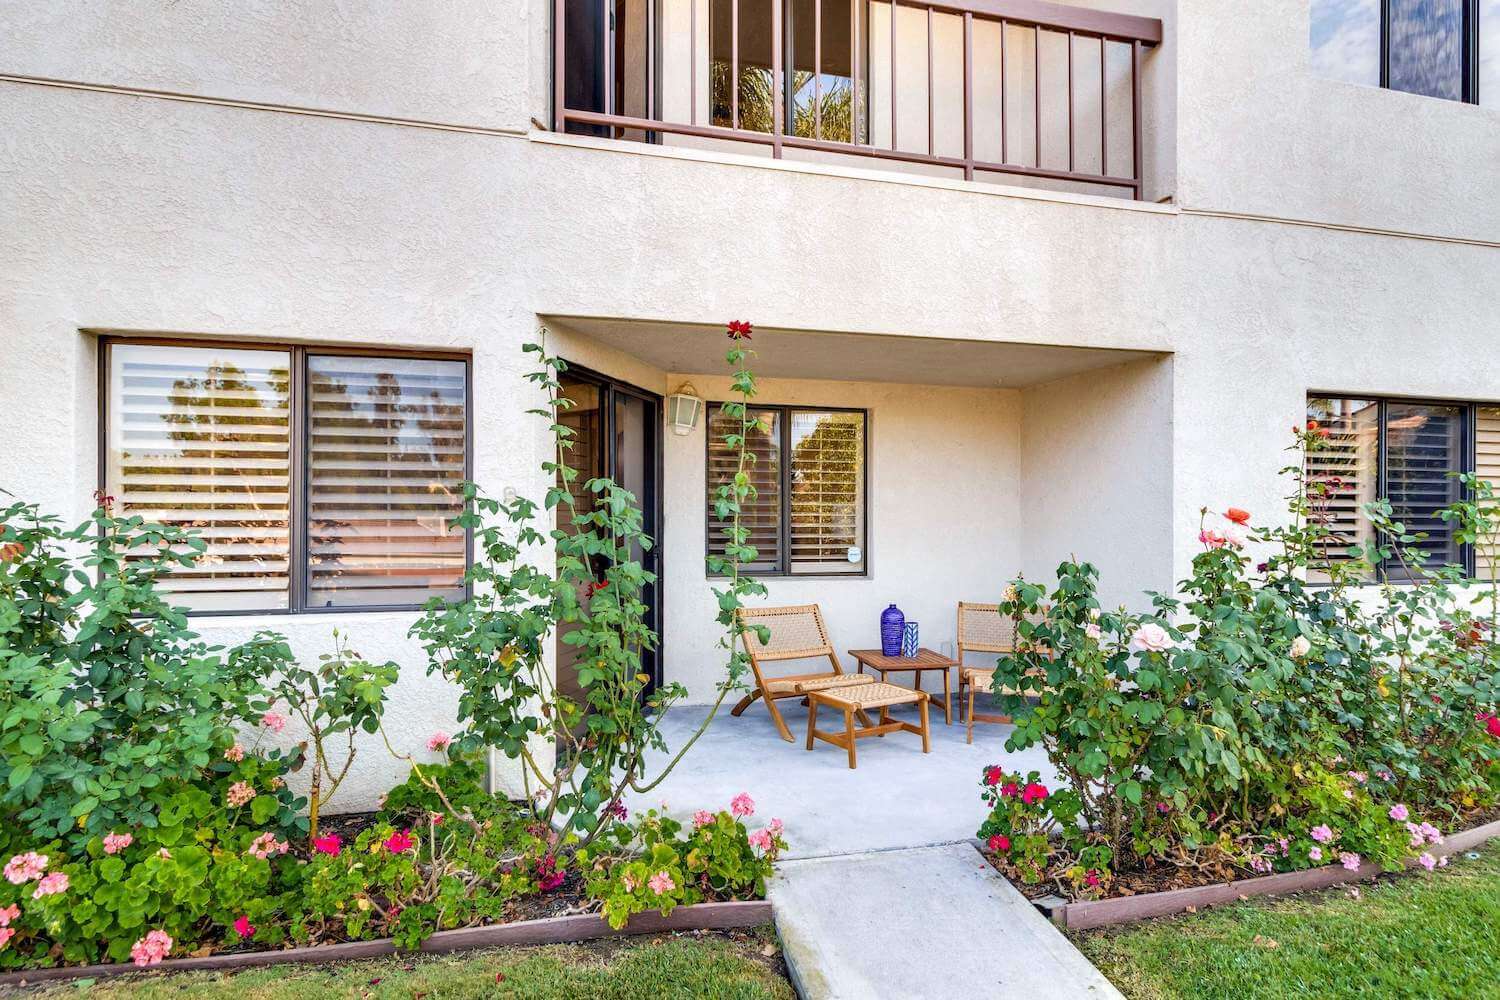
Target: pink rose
1152,638
743,805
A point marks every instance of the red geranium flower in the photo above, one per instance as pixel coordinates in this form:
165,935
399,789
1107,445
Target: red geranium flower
399,842
329,845
992,775
739,329
1033,793
999,842
1010,789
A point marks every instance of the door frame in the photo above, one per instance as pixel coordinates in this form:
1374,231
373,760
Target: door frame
652,508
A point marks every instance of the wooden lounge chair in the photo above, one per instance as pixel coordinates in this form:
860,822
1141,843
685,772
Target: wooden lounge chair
796,633
981,629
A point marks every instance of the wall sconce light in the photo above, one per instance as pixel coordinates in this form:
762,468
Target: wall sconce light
683,409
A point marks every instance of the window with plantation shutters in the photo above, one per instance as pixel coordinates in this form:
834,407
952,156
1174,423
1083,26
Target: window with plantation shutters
1411,453
316,481
200,439
385,468
1487,466
760,515
808,512
827,491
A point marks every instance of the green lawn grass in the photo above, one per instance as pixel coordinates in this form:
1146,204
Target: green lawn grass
1414,935
722,967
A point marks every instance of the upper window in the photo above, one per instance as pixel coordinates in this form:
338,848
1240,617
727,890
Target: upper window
1408,452
808,514
1438,48
318,481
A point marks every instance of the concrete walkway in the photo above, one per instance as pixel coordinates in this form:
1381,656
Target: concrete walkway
927,923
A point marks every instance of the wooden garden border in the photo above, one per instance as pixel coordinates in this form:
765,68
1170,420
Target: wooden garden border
550,930
1124,909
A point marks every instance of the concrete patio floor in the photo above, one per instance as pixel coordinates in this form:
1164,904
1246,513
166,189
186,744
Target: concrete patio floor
898,797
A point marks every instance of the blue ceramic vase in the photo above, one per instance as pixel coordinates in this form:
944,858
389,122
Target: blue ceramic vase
892,630
909,643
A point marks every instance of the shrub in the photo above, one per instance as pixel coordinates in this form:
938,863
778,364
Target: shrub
1235,716
655,865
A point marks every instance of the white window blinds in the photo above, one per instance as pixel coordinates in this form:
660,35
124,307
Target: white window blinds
1487,466
199,438
1343,474
827,491
761,514
385,475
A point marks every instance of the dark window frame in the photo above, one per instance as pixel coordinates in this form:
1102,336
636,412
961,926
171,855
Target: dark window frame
784,560
1469,71
1468,451
300,444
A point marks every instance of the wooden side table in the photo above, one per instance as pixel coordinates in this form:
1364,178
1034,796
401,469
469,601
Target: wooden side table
925,659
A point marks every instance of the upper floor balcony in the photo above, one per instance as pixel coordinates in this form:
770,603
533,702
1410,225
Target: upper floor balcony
1023,92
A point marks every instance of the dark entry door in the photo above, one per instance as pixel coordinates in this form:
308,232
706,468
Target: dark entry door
617,430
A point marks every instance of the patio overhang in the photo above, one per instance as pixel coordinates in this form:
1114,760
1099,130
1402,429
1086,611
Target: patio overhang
851,357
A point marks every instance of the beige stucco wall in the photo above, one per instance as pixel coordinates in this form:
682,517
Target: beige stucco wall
131,212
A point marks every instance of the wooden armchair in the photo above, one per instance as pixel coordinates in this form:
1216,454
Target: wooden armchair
796,633
981,629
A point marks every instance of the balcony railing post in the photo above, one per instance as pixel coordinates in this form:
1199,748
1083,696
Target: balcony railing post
817,71
778,110
968,96
1103,105
734,63
893,74
931,106
1135,113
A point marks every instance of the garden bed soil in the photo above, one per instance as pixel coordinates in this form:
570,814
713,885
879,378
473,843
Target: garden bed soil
549,930
1142,895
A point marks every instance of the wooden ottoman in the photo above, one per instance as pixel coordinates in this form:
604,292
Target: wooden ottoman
856,700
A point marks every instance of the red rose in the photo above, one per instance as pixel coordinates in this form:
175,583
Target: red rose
739,330
1238,516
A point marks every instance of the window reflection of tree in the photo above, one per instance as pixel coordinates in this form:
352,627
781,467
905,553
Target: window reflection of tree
202,419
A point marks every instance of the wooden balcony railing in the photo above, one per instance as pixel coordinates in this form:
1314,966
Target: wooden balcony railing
1000,97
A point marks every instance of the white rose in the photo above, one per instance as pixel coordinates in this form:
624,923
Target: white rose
1010,595
1092,631
1151,637
1300,647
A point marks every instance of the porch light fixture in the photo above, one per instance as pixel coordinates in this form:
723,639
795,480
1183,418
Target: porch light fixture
683,409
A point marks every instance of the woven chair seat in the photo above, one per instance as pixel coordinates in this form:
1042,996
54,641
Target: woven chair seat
802,685
874,695
977,675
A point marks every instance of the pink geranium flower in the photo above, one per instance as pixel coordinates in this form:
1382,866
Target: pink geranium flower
8,914
1321,833
761,839
1350,860
438,741
702,818
235,754
743,805
244,928
1398,813
1315,853
6,933
330,845
266,845
1427,861
775,826
661,882
274,721
399,842
151,949
239,793
51,885
24,867
114,843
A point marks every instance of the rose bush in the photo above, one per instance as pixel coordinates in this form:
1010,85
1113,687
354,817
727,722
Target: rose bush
1255,705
